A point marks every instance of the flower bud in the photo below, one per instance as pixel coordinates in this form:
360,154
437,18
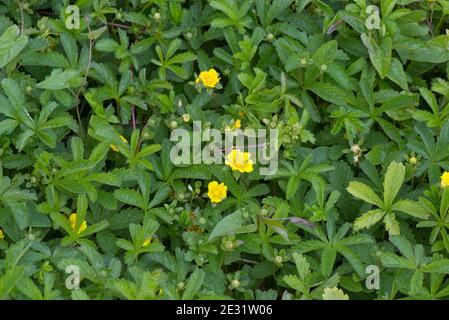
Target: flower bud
229,245
173,124
180,285
235,283
278,259
186,117
355,148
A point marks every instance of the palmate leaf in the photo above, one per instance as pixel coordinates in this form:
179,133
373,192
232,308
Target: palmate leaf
367,169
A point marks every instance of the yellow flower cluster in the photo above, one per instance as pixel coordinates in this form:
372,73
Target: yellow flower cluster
72,220
216,192
2,235
114,147
239,161
445,179
209,79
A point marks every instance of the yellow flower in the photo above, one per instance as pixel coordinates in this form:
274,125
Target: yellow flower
146,242
72,220
2,235
239,160
209,79
445,179
216,192
234,125
114,146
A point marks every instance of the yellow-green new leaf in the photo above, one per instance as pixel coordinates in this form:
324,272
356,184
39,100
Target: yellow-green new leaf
364,192
368,219
391,224
334,294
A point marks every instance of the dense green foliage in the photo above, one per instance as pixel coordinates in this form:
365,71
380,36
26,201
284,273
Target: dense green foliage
85,121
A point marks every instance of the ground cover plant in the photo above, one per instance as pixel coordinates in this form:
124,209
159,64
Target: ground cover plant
92,205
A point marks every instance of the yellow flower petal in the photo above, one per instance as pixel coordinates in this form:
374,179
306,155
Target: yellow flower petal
445,179
72,220
216,192
114,147
2,235
209,79
146,242
123,139
239,161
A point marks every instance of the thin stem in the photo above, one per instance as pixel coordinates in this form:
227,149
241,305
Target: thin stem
118,25
440,22
133,117
21,17
429,23
86,73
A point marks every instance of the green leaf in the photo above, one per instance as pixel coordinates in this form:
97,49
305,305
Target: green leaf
391,260
227,225
394,177
11,44
397,74
437,266
131,197
59,79
380,54
194,284
332,93
412,208
302,266
327,260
